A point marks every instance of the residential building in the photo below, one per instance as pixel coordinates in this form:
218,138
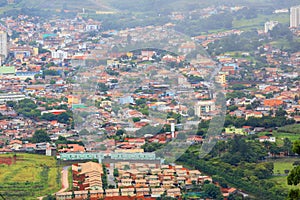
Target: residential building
267,139
270,25
295,16
59,54
11,97
204,107
3,45
7,70
234,130
221,78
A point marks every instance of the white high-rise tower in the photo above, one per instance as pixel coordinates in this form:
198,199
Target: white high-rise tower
3,44
295,16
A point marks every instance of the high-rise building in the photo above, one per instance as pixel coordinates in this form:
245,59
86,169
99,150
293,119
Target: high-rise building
295,16
270,25
204,107
3,45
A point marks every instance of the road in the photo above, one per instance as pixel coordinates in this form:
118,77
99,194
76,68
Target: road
64,181
110,176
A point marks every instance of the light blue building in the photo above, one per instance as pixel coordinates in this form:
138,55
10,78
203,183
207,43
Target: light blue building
114,156
126,100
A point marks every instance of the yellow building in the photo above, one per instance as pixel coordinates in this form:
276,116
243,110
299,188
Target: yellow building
35,51
73,99
112,62
234,130
129,54
221,78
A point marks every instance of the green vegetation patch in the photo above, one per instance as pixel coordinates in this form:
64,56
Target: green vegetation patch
280,173
28,176
294,128
280,165
259,21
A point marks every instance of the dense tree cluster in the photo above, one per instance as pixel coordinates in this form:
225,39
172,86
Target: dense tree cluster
265,121
241,169
294,176
40,136
25,107
246,41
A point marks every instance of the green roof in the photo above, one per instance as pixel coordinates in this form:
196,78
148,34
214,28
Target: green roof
7,70
75,106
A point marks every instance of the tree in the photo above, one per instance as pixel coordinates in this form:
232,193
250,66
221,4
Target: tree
11,104
294,194
102,87
191,112
103,147
88,195
280,113
136,119
232,108
235,197
120,132
61,140
212,191
84,132
116,172
40,136
287,145
27,80
48,116
64,118
49,197
73,194
294,176
150,147
296,147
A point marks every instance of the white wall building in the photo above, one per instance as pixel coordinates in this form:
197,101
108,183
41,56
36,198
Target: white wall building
270,25
59,54
3,45
204,107
295,16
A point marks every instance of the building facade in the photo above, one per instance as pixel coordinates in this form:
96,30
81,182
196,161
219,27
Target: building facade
270,25
295,16
3,45
204,107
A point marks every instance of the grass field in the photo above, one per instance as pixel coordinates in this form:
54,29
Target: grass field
281,135
29,176
259,21
281,181
279,166
294,128
282,43
284,164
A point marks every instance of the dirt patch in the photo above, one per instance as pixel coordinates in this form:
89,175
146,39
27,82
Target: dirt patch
9,160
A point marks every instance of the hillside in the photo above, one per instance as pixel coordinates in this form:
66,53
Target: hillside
142,5
183,5
72,5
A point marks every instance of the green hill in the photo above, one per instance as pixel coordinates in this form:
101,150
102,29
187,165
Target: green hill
142,5
55,5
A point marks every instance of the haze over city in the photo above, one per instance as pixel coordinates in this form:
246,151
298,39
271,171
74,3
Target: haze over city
149,99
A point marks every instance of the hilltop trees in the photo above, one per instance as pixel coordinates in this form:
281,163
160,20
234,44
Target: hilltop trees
40,136
294,176
212,191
